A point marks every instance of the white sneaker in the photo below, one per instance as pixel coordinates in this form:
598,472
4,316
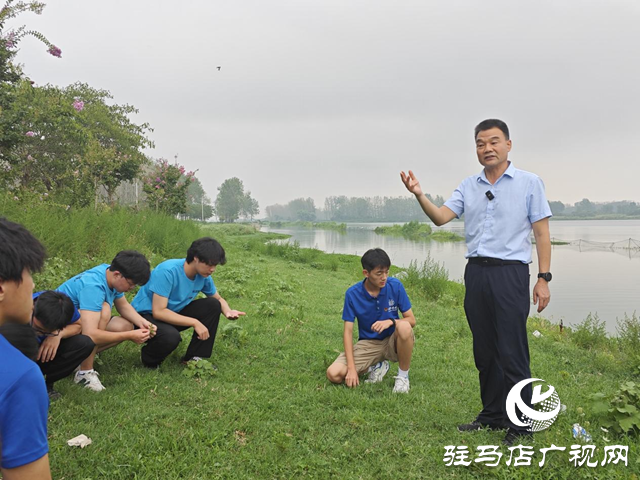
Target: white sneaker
402,385
90,380
377,372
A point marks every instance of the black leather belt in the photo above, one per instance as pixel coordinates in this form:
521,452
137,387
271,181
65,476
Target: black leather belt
493,262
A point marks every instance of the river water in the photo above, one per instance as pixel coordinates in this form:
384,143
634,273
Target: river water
597,273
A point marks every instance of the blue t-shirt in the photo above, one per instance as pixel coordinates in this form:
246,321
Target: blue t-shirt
169,280
89,290
75,317
23,409
390,302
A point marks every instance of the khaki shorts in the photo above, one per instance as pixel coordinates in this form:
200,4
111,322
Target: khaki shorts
370,352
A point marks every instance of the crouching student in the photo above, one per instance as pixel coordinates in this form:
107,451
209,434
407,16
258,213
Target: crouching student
168,300
383,335
94,292
24,450
58,328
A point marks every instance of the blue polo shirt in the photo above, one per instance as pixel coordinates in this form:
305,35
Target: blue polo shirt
23,409
74,318
89,290
390,303
500,228
169,280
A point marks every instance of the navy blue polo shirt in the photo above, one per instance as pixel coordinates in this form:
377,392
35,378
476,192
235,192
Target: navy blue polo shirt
390,303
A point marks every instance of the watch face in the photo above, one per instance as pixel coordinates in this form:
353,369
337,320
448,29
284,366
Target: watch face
545,276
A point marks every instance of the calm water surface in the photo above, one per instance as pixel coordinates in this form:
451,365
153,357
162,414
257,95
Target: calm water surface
597,273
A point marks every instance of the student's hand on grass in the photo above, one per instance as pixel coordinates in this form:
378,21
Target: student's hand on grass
381,325
234,314
201,331
352,380
48,349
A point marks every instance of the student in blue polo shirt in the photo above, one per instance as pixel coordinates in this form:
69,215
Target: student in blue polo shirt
168,300
62,346
383,335
23,396
94,292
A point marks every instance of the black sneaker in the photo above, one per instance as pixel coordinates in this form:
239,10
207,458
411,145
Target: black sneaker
515,437
476,425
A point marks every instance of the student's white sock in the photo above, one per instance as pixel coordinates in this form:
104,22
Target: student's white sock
84,372
403,373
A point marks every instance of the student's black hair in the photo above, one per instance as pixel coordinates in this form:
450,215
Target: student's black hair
54,310
374,258
489,124
22,337
19,249
207,250
132,265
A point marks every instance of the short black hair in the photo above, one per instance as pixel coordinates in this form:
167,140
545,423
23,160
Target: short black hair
19,249
22,337
132,265
54,310
374,258
489,124
207,250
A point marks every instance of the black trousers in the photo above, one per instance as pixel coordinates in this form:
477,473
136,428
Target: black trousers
71,352
497,306
167,338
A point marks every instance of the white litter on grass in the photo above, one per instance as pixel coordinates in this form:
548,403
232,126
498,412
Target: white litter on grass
537,334
79,441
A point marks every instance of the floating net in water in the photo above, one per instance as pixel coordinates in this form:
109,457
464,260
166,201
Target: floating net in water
629,247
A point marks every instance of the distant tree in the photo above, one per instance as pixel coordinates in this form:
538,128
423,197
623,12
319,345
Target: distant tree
232,201
303,209
250,207
585,207
557,207
198,203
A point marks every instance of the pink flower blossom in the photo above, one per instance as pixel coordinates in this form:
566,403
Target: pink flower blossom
193,179
55,51
78,105
181,170
30,158
30,133
11,40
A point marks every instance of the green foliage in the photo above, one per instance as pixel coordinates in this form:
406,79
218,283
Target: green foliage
413,230
232,201
198,203
430,279
235,334
199,369
629,340
620,411
591,333
446,236
267,309
166,187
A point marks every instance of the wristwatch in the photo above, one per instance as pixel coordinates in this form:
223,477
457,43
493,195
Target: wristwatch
545,276
394,321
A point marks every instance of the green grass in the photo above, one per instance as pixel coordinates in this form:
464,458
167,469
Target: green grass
269,412
415,230
339,227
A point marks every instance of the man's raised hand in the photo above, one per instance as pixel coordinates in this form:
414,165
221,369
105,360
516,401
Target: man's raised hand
411,182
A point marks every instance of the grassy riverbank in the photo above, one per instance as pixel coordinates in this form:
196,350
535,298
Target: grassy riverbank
269,412
339,227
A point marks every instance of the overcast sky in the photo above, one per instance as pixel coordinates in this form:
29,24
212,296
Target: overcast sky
335,97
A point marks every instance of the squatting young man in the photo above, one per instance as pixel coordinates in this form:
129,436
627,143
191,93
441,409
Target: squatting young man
94,292
168,300
24,450
383,335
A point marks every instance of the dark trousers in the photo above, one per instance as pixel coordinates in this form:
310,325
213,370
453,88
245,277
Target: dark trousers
71,352
497,306
167,338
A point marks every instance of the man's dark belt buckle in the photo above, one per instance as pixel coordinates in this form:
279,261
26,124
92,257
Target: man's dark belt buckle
493,262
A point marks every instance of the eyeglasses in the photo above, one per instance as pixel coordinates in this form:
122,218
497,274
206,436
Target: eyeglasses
41,332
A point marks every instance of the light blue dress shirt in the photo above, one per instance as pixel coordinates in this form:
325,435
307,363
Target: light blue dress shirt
500,228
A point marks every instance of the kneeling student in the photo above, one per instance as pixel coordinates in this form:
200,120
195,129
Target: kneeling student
58,328
94,292
383,335
168,301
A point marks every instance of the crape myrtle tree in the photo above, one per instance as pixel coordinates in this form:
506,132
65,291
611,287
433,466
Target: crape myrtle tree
166,187
11,134
232,201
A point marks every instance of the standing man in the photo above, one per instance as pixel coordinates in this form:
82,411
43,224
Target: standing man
24,451
501,206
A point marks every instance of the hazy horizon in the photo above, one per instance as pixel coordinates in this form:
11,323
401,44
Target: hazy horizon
317,99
